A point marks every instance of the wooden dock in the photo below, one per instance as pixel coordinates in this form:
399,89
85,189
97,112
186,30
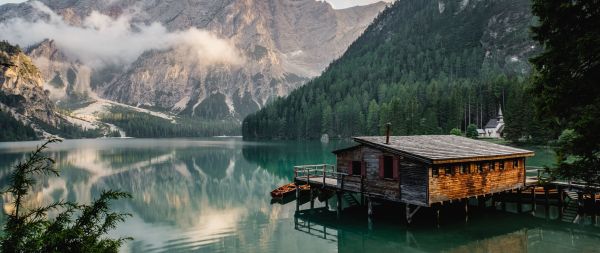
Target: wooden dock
325,177
320,175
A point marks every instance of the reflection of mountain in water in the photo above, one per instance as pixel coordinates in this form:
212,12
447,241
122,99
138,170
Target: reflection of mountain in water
183,196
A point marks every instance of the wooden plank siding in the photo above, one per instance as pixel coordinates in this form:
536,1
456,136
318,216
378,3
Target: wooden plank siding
410,174
464,185
414,180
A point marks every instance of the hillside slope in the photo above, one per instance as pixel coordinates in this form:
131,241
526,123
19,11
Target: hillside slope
220,59
424,66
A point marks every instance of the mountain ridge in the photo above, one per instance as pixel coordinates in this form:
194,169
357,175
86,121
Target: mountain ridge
425,66
284,43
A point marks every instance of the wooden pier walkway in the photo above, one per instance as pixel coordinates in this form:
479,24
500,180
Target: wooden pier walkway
323,175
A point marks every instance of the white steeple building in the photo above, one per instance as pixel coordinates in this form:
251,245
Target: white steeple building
494,127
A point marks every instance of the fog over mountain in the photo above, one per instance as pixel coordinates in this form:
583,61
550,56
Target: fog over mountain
212,59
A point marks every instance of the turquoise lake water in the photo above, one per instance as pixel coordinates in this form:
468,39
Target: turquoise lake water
212,195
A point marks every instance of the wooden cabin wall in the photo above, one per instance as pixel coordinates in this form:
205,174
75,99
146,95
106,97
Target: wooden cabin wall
374,184
343,163
458,186
413,177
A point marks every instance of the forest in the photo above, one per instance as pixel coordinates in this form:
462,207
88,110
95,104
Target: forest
424,70
143,125
14,130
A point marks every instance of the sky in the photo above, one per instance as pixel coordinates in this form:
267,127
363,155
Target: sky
337,4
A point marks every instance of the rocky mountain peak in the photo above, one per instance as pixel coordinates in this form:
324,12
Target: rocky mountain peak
21,85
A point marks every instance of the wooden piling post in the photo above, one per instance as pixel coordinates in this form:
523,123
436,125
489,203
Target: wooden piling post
297,197
533,206
593,207
547,195
561,201
339,203
561,196
408,217
519,202
580,203
312,199
370,213
466,204
369,207
481,202
503,203
437,215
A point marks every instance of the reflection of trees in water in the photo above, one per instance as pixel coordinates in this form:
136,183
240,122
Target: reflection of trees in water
280,157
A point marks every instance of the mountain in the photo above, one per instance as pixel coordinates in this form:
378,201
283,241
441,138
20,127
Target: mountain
26,110
424,66
207,59
22,97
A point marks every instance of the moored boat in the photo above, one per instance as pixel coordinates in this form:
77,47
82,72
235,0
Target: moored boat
287,190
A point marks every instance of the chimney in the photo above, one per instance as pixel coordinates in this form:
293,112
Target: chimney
387,133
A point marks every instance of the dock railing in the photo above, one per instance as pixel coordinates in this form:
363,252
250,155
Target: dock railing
539,171
542,174
320,171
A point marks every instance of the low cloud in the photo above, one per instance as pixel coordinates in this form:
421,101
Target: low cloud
102,40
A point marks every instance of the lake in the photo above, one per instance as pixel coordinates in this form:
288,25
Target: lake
212,195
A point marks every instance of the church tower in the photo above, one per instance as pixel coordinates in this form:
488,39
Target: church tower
500,117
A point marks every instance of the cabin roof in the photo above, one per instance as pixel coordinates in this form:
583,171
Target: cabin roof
492,123
345,149
437,149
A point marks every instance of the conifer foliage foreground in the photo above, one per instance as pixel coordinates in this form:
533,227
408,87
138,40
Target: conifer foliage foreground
76,228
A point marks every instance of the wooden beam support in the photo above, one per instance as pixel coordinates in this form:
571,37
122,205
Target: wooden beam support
339,203
519,202
297,198
437,215
410,214
370,207
312,199
503,203
533,206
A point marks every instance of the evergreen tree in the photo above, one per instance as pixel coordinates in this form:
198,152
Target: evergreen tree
456,131
472,131
566,86
76,228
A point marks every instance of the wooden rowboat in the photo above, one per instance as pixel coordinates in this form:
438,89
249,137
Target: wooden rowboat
287,190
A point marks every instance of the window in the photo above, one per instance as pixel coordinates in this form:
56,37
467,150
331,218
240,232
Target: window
388,167
491,166
435,172
448,170
356,168
501,165
480,167
516,164
464,168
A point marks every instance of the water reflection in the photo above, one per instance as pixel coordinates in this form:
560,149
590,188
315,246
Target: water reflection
490,232
211,195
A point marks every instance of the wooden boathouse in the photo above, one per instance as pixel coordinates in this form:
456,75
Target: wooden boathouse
420,171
